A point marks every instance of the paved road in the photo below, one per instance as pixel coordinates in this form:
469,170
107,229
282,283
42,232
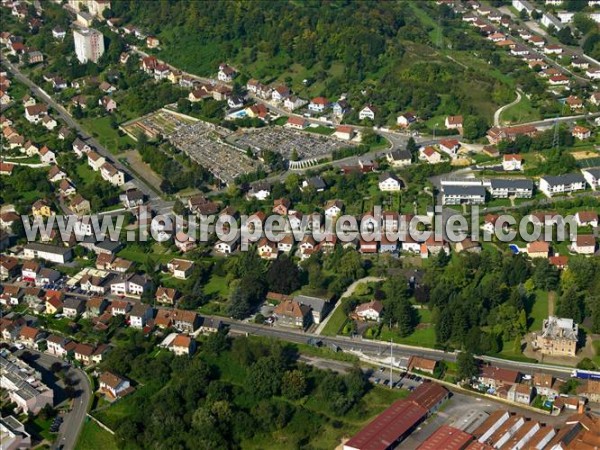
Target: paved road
151,192
382,349
500,110
74,419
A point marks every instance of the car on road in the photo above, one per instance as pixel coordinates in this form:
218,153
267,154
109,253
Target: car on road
376,381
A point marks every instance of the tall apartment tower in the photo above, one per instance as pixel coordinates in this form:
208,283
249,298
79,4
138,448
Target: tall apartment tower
89,44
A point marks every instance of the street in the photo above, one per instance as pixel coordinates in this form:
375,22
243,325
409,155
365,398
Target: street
74,419
150,192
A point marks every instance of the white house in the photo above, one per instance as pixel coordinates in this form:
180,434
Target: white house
388,182
113,385
318,104
454,122
399,158
226,73
450,146
370,311
368,112
111,174
333,208
584,244
430,155
404,120
586,218
47,156
512,162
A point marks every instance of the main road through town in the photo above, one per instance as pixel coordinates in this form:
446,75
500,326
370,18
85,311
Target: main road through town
151,192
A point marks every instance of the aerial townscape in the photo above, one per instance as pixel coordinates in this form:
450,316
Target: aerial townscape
348,225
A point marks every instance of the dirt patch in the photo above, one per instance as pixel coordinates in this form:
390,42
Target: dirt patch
551,302
461,162
587,351
134,159
584,154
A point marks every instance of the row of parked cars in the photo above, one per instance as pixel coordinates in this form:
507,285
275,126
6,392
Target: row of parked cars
404,379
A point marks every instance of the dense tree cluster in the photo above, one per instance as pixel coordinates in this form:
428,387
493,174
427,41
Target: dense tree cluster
196,404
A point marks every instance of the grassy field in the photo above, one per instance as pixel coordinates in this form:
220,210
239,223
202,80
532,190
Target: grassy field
423,336
138,255
93,437
217,286
107,136
335,323
321,130
521,112
539,311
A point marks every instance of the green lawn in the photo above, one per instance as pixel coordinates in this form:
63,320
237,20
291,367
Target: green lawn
40,429
100,128
539,311
424,336
111,417
321,130
523,111
93,437
335,323
217,286
137,254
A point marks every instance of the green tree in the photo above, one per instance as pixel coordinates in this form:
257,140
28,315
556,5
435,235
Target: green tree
293,384
466,366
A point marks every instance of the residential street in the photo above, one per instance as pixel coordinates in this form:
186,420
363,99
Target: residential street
74,419
154,199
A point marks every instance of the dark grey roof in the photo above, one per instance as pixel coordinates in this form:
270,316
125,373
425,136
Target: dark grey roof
73,303
401,155
385,175
466,191
315,303
111,246
568,178
48,248
317,182
139,309
500,183
594,171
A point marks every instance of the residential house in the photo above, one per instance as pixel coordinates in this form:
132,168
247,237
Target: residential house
406,119
8,267
73,307
468,245
184,242
260,190
53,304
56,174
586,218
584,244
512,162
49,122
333,208
495,377
95,307
29,336
113,385
581,133
520,393
267,249
132,198
139,315
455,122
280,93
36,112
186,321
180,268
166,295
510,187
449,146
57,345
108,103
318,104
119,307
399,158
290,313
388,182
590,390
292,102
544,384
430,155
80,205
297,123
226,73
80,147
467,194
281,206
340,108
95,161
130,285
111,174
369,311
344,132
574,102
12,295
368,112
538,249
53,253
183,345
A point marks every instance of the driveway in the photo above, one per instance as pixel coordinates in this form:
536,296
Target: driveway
74,419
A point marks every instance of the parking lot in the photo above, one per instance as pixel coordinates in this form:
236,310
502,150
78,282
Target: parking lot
400,379
285,141
203,143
